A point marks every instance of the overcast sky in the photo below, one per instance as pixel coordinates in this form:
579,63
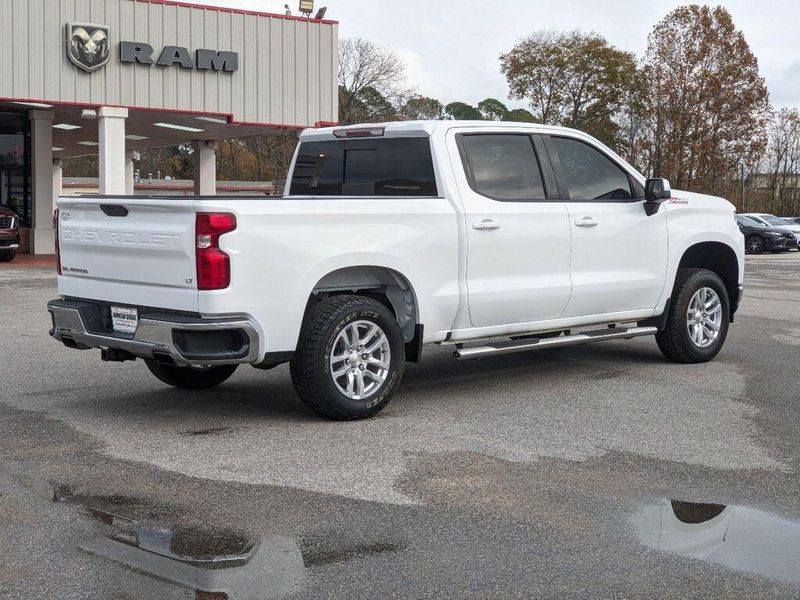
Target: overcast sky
451,47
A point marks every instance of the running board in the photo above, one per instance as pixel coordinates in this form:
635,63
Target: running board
587,337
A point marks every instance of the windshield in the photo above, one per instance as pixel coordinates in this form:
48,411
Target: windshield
777,222
747,221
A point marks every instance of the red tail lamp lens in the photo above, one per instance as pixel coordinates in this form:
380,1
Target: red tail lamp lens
213,265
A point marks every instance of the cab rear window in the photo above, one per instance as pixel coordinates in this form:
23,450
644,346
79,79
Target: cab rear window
370,167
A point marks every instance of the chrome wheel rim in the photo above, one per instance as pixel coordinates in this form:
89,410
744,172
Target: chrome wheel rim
360,360
704,317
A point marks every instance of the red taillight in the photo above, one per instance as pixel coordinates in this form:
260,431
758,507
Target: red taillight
58,249
213,265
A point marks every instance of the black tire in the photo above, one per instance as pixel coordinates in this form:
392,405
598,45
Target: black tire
310,366
7,256
754,244
190,378
674,341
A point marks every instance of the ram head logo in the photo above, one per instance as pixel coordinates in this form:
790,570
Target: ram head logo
88,45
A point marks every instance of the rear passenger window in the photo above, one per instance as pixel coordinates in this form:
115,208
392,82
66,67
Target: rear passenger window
502,166
590,174
370,167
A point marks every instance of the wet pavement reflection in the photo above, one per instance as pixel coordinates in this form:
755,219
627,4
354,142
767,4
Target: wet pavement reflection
214,563
736,537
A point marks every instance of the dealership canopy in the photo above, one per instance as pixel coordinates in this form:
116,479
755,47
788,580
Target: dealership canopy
110,77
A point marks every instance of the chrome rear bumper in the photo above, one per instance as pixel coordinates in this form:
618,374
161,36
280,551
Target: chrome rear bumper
172,338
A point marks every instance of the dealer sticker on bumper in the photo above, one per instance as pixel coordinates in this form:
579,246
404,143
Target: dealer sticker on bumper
124,320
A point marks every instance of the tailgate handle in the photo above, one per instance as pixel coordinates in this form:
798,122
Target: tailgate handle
114,210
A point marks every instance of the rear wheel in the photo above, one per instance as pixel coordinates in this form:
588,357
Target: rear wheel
754,245
698,318
349,359
190,378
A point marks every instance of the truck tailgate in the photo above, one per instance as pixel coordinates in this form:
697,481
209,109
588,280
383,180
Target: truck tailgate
133,251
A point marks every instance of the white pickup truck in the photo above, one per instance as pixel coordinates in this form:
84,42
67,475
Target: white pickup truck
489,237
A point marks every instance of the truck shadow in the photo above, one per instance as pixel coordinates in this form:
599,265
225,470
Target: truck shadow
253,394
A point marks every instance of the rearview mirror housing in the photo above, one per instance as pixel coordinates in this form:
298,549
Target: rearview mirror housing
656,191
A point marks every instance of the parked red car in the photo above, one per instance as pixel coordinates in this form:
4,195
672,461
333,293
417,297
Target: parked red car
9,234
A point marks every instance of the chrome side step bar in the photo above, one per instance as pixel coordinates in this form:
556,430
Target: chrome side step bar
587,337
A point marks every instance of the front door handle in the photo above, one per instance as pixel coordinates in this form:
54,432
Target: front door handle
486,225
586,222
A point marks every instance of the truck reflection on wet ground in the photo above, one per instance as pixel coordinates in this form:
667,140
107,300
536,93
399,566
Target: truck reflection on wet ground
737,537
213,562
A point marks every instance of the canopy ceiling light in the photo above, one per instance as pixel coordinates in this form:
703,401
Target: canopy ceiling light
34,104
179,127
213,120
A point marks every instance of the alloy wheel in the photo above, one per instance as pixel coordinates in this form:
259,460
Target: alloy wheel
360,360
704,317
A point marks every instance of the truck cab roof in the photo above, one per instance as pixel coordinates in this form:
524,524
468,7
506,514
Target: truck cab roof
422,128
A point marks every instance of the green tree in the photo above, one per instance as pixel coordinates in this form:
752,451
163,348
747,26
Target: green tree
520,115
422,108
572,78
493,110
461,111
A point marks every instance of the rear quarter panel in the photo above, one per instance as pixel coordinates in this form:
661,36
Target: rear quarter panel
283,247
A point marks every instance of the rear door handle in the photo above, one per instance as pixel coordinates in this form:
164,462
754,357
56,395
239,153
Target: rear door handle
586,222
486,225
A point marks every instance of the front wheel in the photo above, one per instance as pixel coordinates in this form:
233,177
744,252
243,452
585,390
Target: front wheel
754,245
7,256
698,317
190,378
349,359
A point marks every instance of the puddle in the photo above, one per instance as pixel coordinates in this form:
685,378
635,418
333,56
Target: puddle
223,564
209,431
736,537
317,554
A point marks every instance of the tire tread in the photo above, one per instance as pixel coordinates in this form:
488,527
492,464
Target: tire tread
312,336
672,341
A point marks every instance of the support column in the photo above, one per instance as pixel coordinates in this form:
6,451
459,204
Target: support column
111,137
129,170
205,168
58,179
42,240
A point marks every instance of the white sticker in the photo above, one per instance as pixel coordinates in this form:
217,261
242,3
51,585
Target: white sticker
124,320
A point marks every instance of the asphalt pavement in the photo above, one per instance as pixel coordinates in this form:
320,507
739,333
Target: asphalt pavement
593,471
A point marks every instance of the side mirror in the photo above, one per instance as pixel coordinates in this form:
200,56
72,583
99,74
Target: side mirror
656,191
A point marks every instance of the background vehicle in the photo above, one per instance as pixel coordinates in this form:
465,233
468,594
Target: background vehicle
792,220
9,234
773,221
759,238
491,237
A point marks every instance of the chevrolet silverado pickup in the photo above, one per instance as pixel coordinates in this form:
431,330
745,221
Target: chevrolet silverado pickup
488,237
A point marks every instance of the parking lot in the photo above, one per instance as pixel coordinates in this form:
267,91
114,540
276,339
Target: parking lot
531,475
